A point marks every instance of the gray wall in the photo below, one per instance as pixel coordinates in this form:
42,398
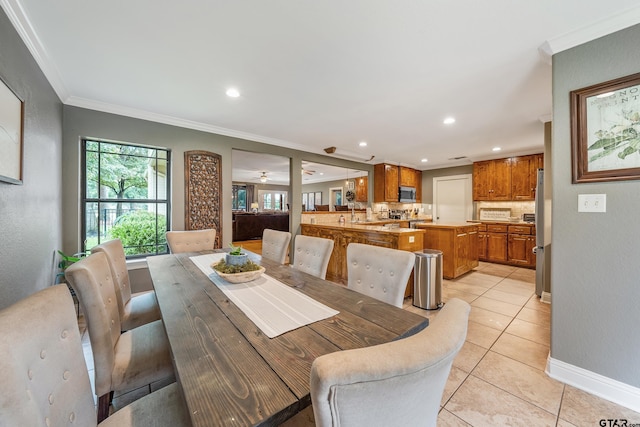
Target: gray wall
595,274
30,214
428,175
79,122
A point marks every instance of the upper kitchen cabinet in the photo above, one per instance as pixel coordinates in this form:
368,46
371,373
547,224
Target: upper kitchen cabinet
387,179
492,180
513,178
362,189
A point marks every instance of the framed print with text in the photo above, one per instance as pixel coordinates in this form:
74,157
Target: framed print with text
605,131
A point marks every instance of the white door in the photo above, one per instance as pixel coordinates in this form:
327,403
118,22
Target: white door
452,199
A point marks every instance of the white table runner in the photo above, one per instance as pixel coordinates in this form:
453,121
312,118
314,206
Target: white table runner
271,305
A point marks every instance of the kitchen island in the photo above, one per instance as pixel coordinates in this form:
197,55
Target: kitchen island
458,243
408,239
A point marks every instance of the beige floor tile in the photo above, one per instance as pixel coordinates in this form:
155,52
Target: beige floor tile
469,356
482,404
522,350
524,274
535,316
511,298
516,287
489,318
481,335
447,294
499,270
523,381
479,279
581,408
563,423
447,419
535,303
466,287
456,377
530,331
496,306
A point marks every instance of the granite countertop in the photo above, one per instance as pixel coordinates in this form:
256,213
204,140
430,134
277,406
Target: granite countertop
495,221
364,227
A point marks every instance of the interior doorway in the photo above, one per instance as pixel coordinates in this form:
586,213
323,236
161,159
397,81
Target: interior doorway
335,197
452,199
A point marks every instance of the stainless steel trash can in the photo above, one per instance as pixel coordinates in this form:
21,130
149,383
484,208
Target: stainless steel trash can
427,279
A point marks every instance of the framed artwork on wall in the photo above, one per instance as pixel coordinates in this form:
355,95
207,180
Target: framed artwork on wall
605,131
11,135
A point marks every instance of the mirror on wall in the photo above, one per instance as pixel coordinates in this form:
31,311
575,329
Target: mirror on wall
327,187
260,182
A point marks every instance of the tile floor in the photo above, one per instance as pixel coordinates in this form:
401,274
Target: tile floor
498,377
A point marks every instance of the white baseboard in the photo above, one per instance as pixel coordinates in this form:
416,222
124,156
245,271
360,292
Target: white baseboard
546,297
596,384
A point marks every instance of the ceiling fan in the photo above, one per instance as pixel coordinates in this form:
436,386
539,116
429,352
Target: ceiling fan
307,171
263,177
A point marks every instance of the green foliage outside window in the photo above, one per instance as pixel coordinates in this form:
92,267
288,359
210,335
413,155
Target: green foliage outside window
138,232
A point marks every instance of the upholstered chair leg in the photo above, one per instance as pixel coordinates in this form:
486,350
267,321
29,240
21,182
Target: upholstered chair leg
104,402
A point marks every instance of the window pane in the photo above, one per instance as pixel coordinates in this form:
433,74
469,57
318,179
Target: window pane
92,225
92,175
139,228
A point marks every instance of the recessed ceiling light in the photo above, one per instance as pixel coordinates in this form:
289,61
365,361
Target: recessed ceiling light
363,143
496,149
424,160
449,121
233,92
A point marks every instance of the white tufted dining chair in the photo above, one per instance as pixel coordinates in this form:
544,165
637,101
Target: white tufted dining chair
378,272
191,240
43,375
123,361
135,309
399,383
312,254
275,245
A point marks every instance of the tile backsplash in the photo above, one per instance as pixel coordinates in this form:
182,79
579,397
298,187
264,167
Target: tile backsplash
517,208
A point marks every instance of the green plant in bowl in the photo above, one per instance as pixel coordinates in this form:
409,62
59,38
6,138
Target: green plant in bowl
235,250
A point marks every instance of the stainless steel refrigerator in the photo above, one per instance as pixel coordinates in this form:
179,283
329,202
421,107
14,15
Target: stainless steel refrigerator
539,248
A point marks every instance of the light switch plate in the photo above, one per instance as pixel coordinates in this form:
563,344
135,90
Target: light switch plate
592,202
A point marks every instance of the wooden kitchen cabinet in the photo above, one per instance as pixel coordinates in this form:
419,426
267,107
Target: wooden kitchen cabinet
459,246
482,242
492,180
408,177
385,180
520,245
524,173
362,189
496,243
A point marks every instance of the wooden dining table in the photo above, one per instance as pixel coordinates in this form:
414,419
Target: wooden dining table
230,373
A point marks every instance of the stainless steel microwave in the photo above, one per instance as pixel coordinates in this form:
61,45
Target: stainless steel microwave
407,195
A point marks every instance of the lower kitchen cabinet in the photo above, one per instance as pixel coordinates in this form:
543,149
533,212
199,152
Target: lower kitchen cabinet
507,244
459,246
496,243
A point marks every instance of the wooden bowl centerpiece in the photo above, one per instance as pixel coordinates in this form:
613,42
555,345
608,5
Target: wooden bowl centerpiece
238,273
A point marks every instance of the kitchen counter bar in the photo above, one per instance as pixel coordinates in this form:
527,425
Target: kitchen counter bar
408,239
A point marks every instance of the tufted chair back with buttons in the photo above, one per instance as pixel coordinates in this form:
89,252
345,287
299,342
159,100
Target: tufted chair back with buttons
43,375
312,254
275,245
137,309
378,272
399,383
191,241
123,361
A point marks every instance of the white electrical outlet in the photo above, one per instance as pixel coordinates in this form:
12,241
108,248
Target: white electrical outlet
592,202
412,239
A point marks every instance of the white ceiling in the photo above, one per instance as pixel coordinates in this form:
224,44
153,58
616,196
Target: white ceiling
314,74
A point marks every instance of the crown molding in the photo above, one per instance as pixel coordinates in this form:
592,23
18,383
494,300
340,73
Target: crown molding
601,28
23,26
